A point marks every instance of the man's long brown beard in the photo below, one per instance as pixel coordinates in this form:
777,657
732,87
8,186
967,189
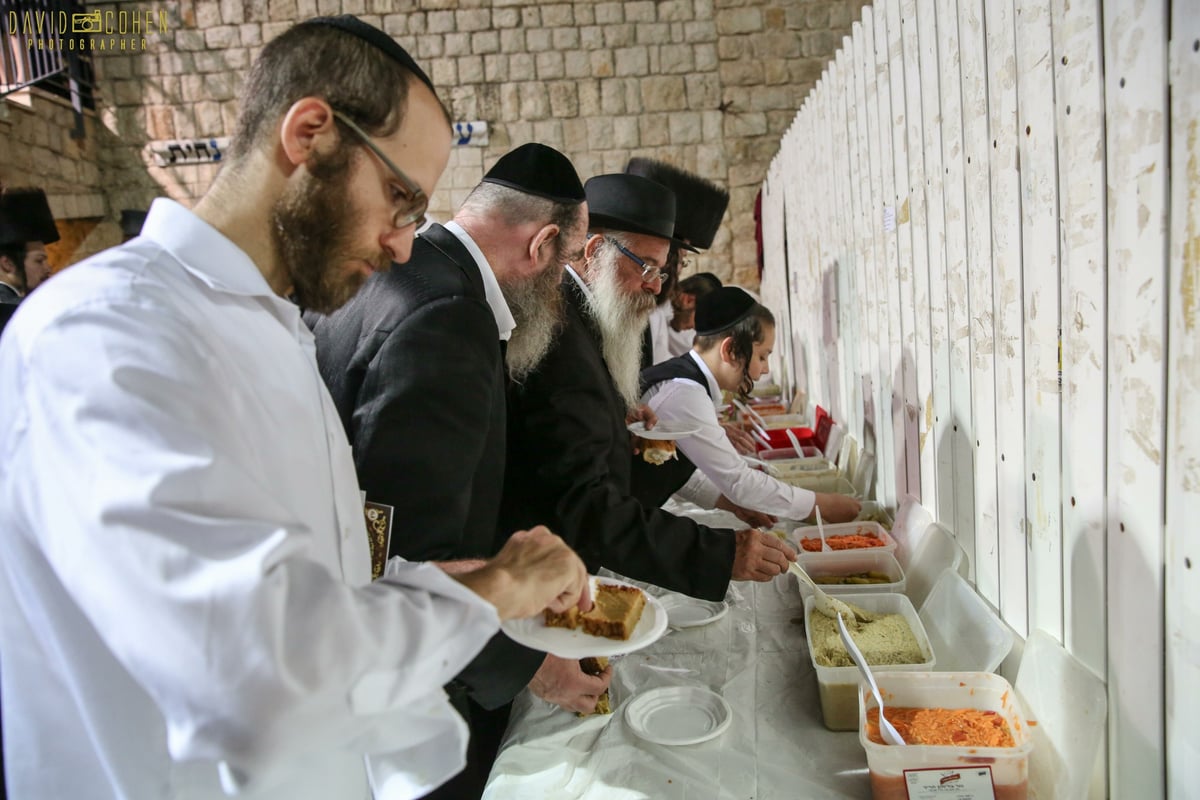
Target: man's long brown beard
312,233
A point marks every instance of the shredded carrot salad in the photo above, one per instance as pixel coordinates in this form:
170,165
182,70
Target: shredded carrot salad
958,727
846,541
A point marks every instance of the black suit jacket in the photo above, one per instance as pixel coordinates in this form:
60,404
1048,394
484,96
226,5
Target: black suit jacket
414,364
568,467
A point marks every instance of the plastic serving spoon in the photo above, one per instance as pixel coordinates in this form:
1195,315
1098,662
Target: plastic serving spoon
890,734
825,548
829,606
795,442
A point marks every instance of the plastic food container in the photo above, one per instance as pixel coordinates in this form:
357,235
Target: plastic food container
835,483
849,562
789,453
839,685
842,529
898,773
966,635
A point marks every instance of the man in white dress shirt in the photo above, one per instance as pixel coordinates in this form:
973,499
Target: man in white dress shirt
186,608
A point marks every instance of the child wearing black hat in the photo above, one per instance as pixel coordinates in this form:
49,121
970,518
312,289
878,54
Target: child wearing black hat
734,337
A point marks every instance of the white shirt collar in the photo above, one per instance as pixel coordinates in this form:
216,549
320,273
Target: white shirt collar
214,259
587,292
491,286
714,389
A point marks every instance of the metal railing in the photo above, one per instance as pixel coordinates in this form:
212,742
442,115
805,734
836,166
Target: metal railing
41,44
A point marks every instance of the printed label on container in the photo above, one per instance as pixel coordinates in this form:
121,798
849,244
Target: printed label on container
962,783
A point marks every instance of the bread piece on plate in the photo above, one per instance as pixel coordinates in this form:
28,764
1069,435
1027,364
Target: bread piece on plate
657,451
615,613
595,666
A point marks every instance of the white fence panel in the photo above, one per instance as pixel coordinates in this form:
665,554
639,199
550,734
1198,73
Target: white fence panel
1135,105
1079,111
907,409
1183,427
956,424
976,147
1039,259
1008,314
938,404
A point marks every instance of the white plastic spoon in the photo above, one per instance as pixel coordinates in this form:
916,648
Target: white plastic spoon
795,442
890,734
826,605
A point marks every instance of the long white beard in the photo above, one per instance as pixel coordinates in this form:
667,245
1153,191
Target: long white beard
622,320
537,308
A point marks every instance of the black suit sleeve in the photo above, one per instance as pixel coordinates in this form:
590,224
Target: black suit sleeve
416,425
571,426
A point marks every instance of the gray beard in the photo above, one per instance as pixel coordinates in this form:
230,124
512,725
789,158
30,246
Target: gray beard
622,321
537,308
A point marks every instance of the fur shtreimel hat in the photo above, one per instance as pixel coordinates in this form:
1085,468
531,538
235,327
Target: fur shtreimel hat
699,204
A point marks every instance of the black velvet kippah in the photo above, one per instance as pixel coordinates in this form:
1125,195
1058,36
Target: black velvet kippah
538,170
376,38
721,309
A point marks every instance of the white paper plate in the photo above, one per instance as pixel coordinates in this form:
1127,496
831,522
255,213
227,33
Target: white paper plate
565,643
678,715
690,612
664,430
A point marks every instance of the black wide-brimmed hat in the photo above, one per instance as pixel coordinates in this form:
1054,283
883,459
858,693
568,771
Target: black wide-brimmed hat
699,203
132,220
721,309
539,170
25,217
631,203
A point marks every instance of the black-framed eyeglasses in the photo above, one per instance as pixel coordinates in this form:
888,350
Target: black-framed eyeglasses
650,273
412,202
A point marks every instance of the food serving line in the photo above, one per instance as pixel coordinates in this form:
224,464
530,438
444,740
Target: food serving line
727,703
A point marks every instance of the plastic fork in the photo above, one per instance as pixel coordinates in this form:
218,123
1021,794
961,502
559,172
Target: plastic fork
889,732
825,548
754,415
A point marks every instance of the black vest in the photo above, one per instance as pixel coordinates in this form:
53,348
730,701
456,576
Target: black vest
653,484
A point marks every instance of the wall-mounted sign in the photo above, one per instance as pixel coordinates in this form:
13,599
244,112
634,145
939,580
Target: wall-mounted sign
473,133
173,152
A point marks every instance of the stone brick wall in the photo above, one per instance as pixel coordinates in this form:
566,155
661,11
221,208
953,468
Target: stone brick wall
709,85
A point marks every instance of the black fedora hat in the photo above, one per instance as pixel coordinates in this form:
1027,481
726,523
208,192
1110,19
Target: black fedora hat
25,217
132,220
631,203
700,203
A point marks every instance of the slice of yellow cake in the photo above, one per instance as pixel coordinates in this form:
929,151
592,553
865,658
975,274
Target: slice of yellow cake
615,613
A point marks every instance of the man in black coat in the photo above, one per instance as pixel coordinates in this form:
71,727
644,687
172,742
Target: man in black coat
568,457
26,227
416,366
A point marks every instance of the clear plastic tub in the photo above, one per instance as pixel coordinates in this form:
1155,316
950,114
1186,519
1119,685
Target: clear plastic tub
897,773
839,685
788,453
849,562
803,532
966,635
835,483
777,422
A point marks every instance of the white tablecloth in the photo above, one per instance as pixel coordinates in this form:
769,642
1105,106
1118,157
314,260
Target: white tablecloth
776,746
